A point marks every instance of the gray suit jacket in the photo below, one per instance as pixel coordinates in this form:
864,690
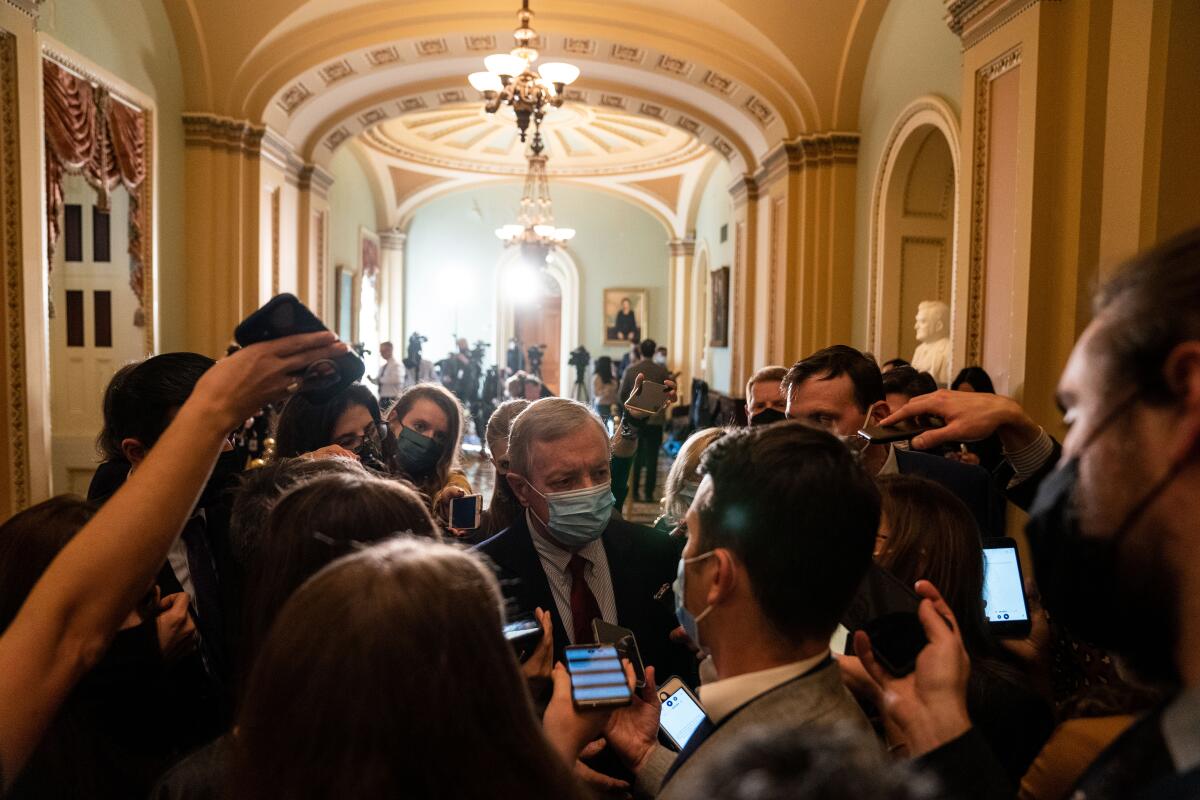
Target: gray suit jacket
818,698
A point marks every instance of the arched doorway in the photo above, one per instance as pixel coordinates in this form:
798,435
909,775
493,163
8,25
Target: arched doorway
913,225
540,306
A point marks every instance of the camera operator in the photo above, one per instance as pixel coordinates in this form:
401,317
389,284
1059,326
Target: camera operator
651,435
416,369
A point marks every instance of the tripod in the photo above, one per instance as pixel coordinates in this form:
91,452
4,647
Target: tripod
579,391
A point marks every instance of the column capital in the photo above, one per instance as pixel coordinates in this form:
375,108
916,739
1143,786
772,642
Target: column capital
393,239
745,188
31,7
681,247
972,20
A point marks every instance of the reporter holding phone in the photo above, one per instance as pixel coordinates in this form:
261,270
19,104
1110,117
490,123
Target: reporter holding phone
650,436
778,539
89,589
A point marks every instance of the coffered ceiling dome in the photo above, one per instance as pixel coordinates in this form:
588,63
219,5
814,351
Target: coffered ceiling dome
580,140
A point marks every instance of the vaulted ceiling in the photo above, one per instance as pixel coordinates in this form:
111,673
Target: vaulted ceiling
739,76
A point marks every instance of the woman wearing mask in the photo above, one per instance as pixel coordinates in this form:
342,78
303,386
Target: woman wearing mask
683,479
427,423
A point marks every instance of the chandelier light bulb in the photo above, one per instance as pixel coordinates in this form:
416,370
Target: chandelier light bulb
564,234
545,231
485,82
505,64
559,73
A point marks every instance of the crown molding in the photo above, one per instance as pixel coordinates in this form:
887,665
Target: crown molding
974,20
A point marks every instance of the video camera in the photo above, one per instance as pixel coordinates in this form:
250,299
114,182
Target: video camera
536,354
413,359
580,358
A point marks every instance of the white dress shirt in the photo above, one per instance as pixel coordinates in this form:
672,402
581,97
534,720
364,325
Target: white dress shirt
554,563
722,698
890,467
390,379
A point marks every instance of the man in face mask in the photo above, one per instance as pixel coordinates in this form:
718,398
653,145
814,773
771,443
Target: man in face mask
765,400
567,552
778,538
841,390
1113,528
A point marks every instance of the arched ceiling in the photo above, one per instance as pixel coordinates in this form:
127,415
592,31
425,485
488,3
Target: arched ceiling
738,75
580,140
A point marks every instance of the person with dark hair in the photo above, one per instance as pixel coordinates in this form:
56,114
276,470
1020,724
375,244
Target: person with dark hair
1112,529
987,453
427,423
84,596
841,390
778,540
338,704
928,534
650,431
114,735
139,404
625,325
765,401
781,762
893,363
904,383
349,422
604,389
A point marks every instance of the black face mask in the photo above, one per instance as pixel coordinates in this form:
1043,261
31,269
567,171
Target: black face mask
416,455
229,465
1119,602
767,416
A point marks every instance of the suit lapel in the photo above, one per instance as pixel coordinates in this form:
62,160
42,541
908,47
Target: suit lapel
534,589
621,573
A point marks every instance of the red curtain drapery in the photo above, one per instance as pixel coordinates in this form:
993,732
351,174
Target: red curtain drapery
90,133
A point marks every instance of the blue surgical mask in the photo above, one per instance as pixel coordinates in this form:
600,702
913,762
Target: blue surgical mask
579,516
690,623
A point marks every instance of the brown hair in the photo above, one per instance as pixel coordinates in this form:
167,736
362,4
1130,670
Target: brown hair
500,423
29,541
448,403
380,673
765,374
315,523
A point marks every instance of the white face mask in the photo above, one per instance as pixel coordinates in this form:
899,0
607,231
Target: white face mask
660,359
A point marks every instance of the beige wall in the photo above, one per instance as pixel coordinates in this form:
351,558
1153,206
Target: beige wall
351,206
137,46
914,55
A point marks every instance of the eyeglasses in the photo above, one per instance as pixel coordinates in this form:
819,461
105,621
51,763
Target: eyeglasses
373,433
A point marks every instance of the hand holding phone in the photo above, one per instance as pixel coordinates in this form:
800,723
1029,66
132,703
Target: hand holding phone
626,644
465,512
681,713
648,397
597,676
903,431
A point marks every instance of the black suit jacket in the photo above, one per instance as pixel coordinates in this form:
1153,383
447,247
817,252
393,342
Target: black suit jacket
640,562
971,484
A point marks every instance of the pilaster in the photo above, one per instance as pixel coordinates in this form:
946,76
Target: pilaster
391,243
679,342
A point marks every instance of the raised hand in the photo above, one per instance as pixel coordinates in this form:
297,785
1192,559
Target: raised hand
672,396
928,706
969,417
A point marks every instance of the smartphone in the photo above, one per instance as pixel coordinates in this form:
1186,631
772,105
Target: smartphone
1004,590
904,431
626,644
886,608
650,397
524,635
681,712
597,677
284,315
465,511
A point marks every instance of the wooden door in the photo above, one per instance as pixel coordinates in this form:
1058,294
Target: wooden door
540,322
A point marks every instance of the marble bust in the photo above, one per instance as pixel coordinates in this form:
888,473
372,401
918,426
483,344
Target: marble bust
933,337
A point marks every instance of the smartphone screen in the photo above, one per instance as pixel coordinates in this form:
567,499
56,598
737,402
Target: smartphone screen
464,512
626,644
597,677
1003,589
680,714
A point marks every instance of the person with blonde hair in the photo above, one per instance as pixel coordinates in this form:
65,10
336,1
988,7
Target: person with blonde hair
684,479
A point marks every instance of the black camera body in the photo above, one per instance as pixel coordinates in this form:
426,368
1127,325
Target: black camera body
580,358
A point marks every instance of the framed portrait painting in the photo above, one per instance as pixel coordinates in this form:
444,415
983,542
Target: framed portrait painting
626,312
719,336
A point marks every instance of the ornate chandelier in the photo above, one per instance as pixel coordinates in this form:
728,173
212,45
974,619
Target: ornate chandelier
534,232
511,80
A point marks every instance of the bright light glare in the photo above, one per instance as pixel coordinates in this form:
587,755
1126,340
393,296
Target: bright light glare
485,81
456,284
564,234
505,64
559,72
523,284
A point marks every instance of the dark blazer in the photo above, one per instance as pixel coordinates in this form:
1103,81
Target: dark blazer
971,484
640,562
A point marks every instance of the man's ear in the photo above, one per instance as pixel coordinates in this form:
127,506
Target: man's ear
134,451
520,487
726,580
880,411
1182,374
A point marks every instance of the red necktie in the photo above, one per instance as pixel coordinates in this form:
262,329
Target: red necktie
584,607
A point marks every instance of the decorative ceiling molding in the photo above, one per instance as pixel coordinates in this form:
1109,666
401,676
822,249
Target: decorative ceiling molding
383,56
292,98
974,20
32,8
628,54
431,47
337,71
761,111
580,47
720,83
485,43
675,66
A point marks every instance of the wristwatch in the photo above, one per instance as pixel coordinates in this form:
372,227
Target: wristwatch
628,430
